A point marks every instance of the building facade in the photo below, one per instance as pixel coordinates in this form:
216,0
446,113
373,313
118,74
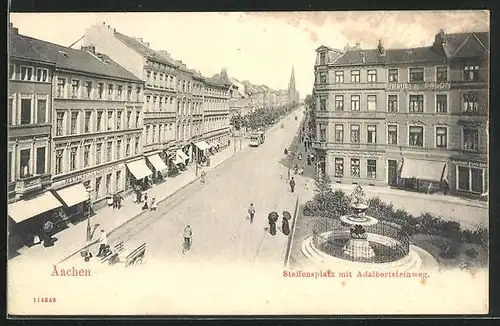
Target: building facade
29,120
97,121
410,118
160,99
216,109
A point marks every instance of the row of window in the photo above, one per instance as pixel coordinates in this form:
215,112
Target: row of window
93,154
187,131
95,121
216,123
416,75
96,91
155,134
355,168
27,109
188,108
29,73
161,80
101,190
470,103
470,136
26,167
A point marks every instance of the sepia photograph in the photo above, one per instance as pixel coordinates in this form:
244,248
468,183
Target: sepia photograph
248,163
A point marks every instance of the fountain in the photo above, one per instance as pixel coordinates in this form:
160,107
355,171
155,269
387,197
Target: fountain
358,246
360,241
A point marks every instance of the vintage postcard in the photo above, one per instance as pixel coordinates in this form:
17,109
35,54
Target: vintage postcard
248,163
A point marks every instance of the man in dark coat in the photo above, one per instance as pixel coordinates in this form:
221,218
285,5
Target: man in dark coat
292,184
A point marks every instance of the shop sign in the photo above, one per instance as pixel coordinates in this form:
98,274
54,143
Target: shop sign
89,175
429,86
479,165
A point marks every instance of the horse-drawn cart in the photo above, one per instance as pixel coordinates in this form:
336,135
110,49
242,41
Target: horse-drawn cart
121,255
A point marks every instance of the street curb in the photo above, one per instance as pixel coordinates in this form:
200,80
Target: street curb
143,212
288,249
485,206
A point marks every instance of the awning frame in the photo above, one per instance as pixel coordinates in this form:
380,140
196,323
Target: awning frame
157,162
137,166
423,170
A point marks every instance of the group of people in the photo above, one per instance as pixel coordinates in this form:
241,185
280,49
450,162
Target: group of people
139,198
116,201
273,219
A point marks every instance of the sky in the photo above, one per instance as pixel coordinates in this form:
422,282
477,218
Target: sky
260,47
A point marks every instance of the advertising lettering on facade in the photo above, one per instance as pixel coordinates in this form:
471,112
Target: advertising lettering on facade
89,175
429,86
471,164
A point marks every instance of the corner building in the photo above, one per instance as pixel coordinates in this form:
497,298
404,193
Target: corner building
408,118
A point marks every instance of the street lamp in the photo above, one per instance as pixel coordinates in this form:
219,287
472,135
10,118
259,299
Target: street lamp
89,229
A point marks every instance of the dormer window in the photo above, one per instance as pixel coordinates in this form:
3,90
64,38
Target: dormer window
322,58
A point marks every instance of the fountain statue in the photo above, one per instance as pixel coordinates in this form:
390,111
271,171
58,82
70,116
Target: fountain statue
358,246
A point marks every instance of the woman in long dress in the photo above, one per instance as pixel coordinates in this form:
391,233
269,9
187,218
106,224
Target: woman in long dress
285,227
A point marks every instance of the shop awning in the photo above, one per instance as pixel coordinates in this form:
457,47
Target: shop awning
423,169
139,169
202,145
157,162
25,209
177,160
74,194
182,155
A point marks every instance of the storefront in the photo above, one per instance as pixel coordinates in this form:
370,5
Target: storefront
423,175
202,149
29,216
471,177
103,181
75,199
139,175
158,166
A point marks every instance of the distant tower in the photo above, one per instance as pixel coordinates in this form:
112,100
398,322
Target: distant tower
292,92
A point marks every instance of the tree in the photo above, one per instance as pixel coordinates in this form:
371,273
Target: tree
236,121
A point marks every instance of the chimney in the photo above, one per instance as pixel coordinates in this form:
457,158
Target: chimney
362,55
89,48
381,49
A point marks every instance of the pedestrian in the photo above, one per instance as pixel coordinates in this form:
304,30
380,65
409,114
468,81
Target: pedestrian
139,196
120,198
251,211
296,169
115,201
145,205
292,184
153,204
103,243
111,201
187,235
146,197
134,196
285,227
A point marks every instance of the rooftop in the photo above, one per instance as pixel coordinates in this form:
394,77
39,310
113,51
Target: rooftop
66,58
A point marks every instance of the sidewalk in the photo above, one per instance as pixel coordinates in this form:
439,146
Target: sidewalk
72,239
432,197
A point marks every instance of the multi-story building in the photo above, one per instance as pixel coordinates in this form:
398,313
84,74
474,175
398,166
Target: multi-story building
93,105
159,73
29,117
216,109
413,118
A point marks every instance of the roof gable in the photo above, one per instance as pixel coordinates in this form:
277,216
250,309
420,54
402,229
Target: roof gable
392,56
471,47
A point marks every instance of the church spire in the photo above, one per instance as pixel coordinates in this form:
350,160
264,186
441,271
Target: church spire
293,96
291,84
